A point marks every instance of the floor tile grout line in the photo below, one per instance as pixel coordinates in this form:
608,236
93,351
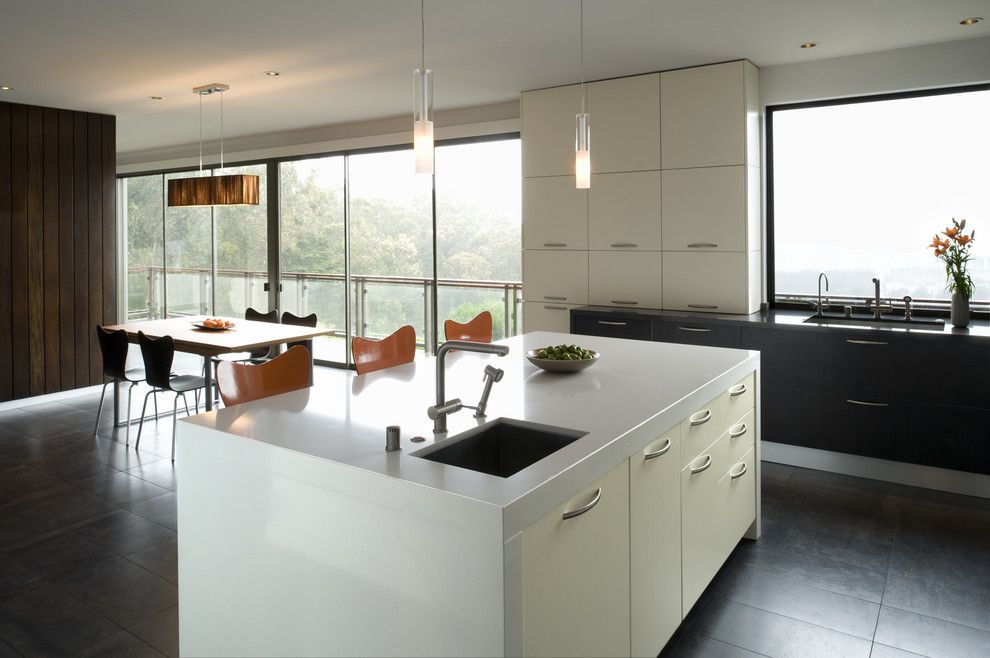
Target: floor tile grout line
801,621
822,589
947,621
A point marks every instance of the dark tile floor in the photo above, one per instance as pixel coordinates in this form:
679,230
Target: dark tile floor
850,567
846,567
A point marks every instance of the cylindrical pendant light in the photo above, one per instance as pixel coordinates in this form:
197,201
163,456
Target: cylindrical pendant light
582,129
423,104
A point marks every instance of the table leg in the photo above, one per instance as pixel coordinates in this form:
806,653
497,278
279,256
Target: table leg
208,373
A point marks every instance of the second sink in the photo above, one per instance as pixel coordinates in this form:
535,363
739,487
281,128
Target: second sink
501,447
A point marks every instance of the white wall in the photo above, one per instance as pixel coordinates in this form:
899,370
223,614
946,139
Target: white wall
903,69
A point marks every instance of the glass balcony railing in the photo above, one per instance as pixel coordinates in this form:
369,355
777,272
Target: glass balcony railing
380,304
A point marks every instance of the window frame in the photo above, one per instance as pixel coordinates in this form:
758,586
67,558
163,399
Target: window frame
939,308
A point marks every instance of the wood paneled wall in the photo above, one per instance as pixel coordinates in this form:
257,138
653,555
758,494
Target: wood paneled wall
58,275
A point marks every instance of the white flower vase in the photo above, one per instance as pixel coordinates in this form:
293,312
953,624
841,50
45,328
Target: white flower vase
960,311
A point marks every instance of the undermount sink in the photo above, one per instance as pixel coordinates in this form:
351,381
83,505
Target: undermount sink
829,318
501,447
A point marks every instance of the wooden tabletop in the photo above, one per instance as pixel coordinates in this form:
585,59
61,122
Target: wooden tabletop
244,336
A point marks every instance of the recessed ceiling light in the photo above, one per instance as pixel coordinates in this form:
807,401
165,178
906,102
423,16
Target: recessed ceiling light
972,20
4,88
809,44
154,98
272,74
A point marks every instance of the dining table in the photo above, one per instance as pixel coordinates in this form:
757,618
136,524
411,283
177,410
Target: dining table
241,336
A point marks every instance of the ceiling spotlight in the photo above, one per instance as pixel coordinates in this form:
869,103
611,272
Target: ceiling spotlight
154,98
809,44
4,88
972,20
272,74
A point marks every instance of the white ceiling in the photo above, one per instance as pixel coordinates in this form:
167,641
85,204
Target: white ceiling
345,61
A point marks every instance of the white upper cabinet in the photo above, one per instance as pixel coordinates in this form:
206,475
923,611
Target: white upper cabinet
625,124
709,116
547,120
624,279
555,277
554,214
711,209
624,211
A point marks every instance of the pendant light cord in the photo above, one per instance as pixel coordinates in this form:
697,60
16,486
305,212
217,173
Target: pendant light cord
221,129
200,132
584,93
422,36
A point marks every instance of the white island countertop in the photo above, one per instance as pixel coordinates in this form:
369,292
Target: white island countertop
636,391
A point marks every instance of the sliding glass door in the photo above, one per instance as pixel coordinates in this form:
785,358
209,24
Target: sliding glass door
241,251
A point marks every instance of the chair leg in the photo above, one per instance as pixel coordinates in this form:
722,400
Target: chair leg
175,418
155,398
186,402
127,435
144,407
99,410
196,399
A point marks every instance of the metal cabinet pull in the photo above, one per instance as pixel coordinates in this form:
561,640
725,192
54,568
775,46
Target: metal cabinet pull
738,389
702,245
555,308
733,476
624,245
584,508
703,467
554,244
738,432
623,301
865,342
863,403
555,298
611,323
707,306
701,417
657,453
698,329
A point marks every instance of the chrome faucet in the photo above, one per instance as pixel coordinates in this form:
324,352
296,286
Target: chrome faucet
438,413
819,309
877,311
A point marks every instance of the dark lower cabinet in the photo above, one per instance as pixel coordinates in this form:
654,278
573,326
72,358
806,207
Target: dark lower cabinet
876,394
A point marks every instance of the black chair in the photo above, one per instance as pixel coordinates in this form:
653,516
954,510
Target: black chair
158,354
261,354
304,321
113,346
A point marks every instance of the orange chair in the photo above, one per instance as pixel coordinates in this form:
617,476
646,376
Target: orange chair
477,330
242,382
370,355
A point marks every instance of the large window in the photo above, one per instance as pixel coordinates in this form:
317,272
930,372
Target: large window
368,206
859,187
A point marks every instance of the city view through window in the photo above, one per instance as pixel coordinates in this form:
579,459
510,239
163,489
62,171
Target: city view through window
859,189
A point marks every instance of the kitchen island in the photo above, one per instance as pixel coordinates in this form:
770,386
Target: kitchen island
300,535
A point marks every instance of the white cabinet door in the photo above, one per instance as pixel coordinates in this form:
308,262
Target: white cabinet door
555,276
707,209
739,507
545,316
703,116
624,211
701,501
554,214
715,282
576,574
624,279
655,544
547,122
625,124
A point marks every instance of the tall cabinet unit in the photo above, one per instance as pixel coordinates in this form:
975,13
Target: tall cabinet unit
710,152
672,218
596,246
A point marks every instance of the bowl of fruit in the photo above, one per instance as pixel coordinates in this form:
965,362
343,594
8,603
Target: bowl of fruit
214,324
562,358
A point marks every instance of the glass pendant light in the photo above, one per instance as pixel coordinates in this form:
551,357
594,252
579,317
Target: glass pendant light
423,104
582,129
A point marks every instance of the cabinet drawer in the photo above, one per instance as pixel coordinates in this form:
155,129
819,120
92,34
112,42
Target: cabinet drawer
691,332
740,436
554,214
546,118
624,211
624,279
710,209
738,486
613,327
555,276
546,316
699,431
576,574
737,401
625,119
713,282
